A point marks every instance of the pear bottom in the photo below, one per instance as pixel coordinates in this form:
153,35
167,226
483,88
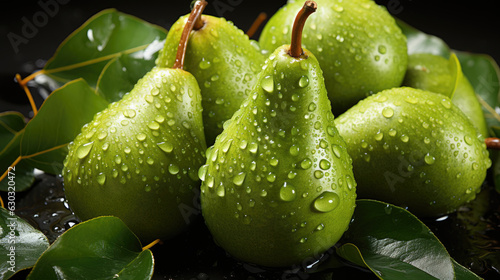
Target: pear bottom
147,215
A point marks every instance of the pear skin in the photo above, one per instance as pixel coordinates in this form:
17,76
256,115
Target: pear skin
225,63
138,159
415,149
432,72
278,186
359,46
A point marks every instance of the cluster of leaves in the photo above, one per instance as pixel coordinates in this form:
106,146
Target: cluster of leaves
97,65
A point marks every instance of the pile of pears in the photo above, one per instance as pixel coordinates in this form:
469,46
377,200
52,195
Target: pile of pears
243,132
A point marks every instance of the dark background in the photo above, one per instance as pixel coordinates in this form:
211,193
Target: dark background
465,26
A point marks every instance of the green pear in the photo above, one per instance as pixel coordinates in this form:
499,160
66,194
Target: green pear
416,149
358,44
139,158
278,186
437,74
224,61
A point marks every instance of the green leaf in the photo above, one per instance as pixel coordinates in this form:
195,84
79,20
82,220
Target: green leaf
121,74
10,124
463,273
18,178
394,244
481,70
20,244
57,123
141,266
351,253
50,162
10,153
100,248
484,75
419,42
11,131
103,37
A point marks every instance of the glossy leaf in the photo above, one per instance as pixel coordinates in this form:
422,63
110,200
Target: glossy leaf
481,70
18,178
10,124
419,42
484,75
394,244
57,123
10,152
142,266
103,37
101,248
463,273
11,131
20,244
121,74
50,162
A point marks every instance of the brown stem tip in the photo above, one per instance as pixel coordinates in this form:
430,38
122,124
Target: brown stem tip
256,24
199,23
298,26
198,8
492,143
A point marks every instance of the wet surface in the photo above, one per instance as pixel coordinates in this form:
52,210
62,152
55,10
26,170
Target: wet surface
45,208
471,236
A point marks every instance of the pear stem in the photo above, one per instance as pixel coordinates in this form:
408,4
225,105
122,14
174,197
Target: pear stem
256,24
198,8
492,143
298,26
199,23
